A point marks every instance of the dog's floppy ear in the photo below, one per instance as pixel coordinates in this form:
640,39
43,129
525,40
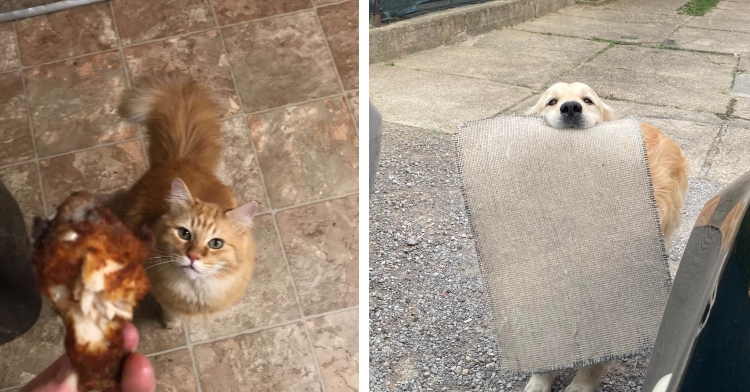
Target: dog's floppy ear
608,114
536,110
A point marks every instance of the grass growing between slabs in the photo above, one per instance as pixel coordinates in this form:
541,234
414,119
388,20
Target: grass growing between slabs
698,7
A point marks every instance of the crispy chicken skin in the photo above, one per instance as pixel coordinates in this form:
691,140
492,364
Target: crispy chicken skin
91,266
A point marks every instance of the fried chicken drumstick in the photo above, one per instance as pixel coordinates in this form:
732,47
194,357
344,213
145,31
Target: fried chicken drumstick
91,266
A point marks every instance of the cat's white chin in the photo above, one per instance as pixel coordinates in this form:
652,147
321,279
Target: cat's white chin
193,274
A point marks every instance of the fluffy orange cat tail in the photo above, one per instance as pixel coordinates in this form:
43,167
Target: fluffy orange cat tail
181,118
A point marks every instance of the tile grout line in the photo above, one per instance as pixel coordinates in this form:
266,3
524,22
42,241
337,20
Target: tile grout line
265,189
329,4
128,83
242,113
105,144
328,49
31,123
260,329
351,112
154,40
300,103
167,351
310,346
335,67
242,105
192,357
311,202
189,343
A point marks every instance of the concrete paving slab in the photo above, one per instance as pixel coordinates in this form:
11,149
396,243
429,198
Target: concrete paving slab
721,41
742,108
678,79
744,65
436,101
733,159
722,19
733,5
629,15
516,57
627,108
741,87
523,106
667,7
564,24
453,25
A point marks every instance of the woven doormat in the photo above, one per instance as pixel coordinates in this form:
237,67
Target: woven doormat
19,9
568,237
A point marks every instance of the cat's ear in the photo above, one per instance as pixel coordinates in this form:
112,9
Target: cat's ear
179,196
243,215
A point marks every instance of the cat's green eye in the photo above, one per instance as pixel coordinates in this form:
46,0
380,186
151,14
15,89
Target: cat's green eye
215,243
183,233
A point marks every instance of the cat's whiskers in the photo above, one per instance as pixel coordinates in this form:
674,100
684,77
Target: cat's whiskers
151,265
162,268
224,268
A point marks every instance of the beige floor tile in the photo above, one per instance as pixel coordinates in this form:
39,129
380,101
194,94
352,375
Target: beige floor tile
353,99
307,152
68,33
274,360
154,337
340,25
296,47
142,20
334,338
235,11
238,167
15,136
74,103
8,48
105,172
321,243
174,372
199,55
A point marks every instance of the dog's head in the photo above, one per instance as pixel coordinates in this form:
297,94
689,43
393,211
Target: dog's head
573,105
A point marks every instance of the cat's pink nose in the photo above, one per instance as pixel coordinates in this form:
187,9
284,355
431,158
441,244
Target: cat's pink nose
193,257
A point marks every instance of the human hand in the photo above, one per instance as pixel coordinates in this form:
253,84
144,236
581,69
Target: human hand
137,373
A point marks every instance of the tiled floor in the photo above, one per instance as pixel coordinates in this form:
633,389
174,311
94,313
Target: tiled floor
286,76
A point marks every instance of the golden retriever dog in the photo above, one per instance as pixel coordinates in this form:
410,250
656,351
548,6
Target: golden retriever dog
576,105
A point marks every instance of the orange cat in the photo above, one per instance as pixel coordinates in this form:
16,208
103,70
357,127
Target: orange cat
204,252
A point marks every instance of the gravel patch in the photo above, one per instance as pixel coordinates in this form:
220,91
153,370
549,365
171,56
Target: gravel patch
429,326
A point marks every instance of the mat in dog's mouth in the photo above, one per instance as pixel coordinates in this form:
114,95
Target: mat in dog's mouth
568,237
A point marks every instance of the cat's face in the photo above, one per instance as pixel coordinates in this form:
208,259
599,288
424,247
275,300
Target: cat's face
199,240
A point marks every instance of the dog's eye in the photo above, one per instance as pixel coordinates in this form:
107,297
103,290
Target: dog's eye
552,102
588,101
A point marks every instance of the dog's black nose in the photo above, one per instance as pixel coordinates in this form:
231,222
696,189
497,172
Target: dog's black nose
571,108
